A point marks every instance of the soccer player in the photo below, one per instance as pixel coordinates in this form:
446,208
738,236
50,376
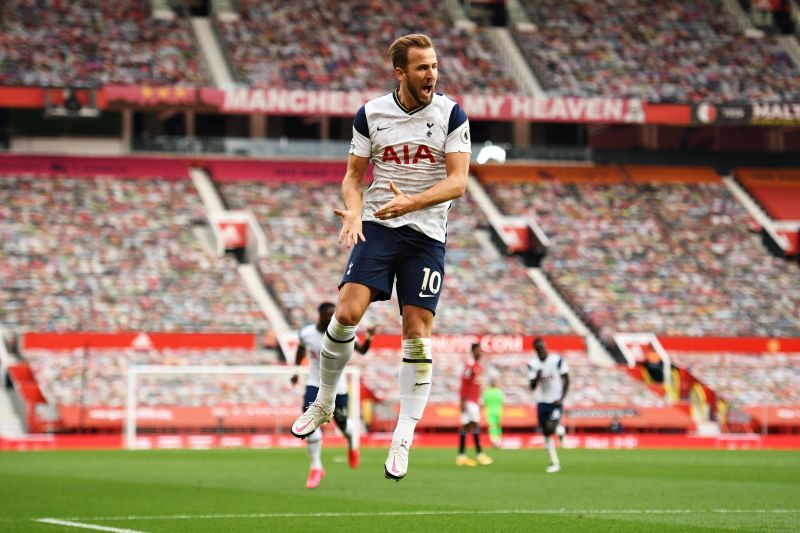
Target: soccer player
310,338
552,372
493,402
419,144
471,410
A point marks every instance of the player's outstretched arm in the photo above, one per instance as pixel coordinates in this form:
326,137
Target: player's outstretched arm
298,360
453,186
363,347
352,191
535,381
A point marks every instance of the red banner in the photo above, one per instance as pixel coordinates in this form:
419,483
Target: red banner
642,173
267,170
152,96
298,102
118,167
113,418
22,97
509,173
477,107
786,416
776,189
441,416
524,416
731,344
491,344
141,340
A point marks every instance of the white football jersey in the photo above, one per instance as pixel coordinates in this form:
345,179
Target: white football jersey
408,147
311,339
550,386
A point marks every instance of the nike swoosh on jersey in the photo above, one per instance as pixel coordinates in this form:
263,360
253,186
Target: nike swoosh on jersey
384,128
426,295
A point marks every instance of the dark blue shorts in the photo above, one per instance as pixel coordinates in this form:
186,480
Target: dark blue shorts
547,412
416,260
311,395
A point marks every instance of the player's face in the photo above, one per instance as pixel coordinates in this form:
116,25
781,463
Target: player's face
541,351
325,316
477,353
419,76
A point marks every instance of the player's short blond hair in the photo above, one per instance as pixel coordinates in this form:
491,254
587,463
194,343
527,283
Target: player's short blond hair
398,51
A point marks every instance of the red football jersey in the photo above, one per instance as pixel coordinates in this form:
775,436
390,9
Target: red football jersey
470,387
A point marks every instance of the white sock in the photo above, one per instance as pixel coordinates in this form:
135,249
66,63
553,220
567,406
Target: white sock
337,348
551,450
315,448
416,372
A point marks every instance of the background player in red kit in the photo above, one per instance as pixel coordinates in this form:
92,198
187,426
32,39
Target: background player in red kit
471,410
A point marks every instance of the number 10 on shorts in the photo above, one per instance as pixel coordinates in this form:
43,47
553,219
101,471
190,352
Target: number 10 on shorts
431,281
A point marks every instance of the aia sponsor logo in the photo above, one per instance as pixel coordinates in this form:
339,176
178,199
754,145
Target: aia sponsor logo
401,155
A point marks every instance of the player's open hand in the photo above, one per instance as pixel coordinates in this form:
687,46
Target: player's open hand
351,227
397,206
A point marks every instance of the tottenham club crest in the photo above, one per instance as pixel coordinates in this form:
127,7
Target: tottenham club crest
430,125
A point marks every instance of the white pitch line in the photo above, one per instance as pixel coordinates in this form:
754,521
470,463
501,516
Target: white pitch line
435,513
81,525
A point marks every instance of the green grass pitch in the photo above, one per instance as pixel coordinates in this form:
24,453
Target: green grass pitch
264,490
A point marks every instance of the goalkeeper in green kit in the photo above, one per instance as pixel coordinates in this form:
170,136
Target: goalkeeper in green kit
493,402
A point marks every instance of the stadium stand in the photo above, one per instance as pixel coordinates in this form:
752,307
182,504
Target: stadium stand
60,377
661,51
747,379
305,263
105,254
91,43
271,46
653,256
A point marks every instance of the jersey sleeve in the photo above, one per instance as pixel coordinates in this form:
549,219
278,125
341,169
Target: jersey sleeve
300,340
563,367
360,145
458,138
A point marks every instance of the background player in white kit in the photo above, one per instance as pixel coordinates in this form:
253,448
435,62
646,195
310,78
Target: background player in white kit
419,144
552,372
310,338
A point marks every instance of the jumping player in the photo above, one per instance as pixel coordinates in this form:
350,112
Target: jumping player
419,144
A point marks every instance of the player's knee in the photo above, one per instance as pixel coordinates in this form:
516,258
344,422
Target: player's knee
353,302
417,322
347,316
